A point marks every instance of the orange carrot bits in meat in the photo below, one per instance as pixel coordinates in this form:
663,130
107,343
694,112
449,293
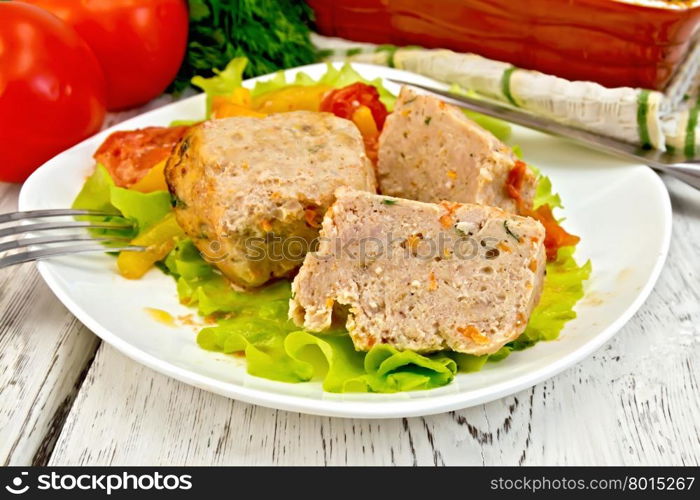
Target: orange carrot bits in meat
474,334
266,225
311,216
412,243
450,206
432,282
446,220
504,248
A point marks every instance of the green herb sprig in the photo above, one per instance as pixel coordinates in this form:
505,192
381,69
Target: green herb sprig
272,34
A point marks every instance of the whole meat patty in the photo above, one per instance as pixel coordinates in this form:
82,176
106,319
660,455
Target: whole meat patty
430,151
421,276
251,192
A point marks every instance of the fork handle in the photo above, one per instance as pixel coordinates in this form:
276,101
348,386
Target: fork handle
686,172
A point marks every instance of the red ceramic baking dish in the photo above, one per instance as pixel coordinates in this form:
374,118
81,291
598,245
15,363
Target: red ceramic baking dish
636,43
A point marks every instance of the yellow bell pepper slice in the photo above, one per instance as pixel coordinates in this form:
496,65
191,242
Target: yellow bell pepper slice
237,103
225,109
291,98
241,96
362,117
159,240
154,180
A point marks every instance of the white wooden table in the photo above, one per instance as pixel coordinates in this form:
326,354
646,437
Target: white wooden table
66,398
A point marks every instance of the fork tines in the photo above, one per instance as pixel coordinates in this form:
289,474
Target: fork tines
21,226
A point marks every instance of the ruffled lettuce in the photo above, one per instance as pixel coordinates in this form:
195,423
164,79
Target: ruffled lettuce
95,194
277,351
563,288
223,82
544,195
347,75
143,209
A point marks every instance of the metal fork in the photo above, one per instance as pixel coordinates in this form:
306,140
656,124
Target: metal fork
21,225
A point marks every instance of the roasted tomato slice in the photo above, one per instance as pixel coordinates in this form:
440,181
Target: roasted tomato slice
129,155
555,235
345,101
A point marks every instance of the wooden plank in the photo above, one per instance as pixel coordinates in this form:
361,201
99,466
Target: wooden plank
44,351
8,197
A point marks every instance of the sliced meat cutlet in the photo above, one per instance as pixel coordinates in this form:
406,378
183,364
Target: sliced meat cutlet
430,151
421,276
251,192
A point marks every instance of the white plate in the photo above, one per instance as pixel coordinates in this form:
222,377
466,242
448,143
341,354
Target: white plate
621,211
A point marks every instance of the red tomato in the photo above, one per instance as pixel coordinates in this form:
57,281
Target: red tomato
129,155
344,102
139,43
51,89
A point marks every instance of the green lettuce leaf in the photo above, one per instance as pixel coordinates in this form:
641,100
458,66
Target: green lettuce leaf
275,350
200,284
95,194
467,363
347,75
563,288
543,193
278,81
183,123
390,370
143,209
223,82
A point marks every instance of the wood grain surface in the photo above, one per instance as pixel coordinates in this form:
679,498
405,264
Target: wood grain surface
44,352
66,399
